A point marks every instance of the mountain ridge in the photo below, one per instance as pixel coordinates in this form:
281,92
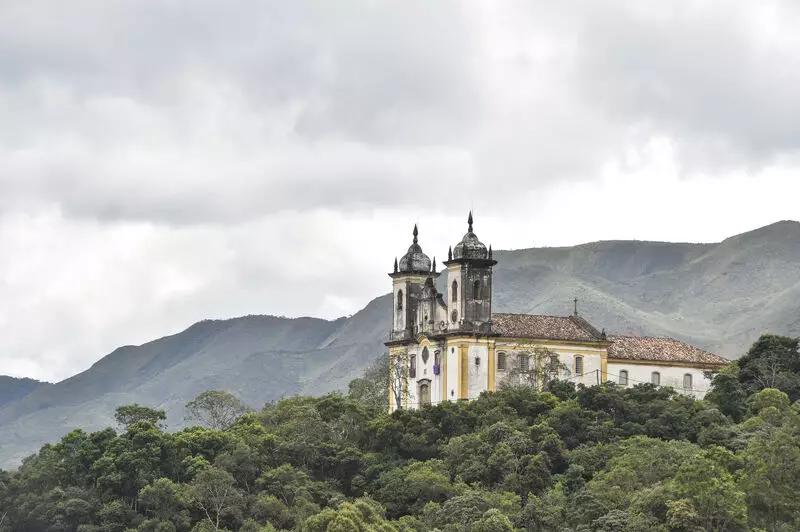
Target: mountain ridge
718,296
15,388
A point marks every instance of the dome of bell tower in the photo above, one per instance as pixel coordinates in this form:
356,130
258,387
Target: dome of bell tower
414,260
470,247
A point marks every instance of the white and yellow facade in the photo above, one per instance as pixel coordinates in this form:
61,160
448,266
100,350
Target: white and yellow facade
450,346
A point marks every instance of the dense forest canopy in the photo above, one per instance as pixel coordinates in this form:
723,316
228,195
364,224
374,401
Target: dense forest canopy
601,458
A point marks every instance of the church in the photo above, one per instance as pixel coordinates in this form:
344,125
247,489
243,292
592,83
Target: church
451,346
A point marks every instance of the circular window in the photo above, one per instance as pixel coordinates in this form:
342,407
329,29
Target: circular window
454,316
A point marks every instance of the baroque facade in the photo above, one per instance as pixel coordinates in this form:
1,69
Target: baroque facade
451,346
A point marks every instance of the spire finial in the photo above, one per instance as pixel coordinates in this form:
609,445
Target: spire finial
603,335
433,269
450,253
415,233
395,265
469,221
576,306
490,252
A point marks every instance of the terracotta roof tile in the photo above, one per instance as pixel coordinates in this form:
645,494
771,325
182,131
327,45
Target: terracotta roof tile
544,327
660,349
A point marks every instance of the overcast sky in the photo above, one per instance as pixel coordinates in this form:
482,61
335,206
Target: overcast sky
162,162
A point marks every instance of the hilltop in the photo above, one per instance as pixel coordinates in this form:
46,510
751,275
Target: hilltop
717,296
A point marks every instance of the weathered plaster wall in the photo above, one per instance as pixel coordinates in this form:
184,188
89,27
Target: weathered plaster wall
478,373
670,376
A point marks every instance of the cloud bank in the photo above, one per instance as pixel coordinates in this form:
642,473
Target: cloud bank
164,162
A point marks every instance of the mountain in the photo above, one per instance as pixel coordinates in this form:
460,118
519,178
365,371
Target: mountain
259,358
717,296
13,389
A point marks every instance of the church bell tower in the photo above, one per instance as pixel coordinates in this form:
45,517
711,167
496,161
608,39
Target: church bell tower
469,284
408,280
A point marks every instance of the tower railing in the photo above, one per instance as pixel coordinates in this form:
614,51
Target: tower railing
400,335
465,326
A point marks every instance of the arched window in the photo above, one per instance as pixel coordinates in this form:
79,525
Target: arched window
455,291
412,366
437,357
578,365
424,393
687,381
623,377
501,361
476,290
399,300
655,378
524,363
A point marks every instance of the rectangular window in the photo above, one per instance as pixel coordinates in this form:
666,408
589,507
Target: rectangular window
501,361
655,378
623,377
687,381
578,365
524,363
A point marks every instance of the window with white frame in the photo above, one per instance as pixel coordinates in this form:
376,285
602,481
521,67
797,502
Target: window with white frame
623,377
578,365
655,378
687,381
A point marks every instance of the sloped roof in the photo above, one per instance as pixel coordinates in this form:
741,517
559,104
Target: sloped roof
544,327
661,349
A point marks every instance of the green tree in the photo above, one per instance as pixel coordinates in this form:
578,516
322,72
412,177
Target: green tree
214,493
162,499
127,415
717,501
771,465
770,397
492,521
131,461
772,362
596,459
635,464
215,409
373,388
361,515
728,392
407,490
268,508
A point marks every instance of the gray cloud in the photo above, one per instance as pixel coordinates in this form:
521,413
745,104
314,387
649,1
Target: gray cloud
202,112
175,111
155,155
719,78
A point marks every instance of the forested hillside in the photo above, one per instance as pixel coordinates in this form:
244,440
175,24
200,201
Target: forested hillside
717,296
260,358
589,459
